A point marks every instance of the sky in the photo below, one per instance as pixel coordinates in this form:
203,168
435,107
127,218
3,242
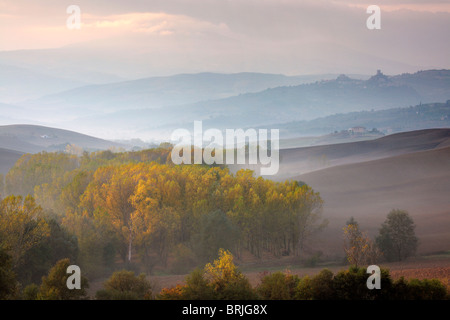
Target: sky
163,37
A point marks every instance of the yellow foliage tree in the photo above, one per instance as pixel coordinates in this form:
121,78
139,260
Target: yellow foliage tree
21,225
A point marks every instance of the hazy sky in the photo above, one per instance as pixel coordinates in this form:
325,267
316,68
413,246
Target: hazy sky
280,36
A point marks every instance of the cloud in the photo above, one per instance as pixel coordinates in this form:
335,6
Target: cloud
29,34
286,36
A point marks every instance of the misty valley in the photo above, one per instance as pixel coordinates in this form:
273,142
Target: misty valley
213,157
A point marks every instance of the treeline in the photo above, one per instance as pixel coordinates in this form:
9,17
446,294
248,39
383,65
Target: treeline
222,280
136,209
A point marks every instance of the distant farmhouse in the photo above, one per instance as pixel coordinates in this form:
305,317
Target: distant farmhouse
355,130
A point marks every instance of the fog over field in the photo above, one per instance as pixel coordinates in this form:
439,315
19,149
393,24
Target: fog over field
348,101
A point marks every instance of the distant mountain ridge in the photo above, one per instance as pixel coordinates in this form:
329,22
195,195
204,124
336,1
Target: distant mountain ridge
156,106
423,116
18,84
283,104
179,89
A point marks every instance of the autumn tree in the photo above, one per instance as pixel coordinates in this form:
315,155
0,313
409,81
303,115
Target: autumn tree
33,170
21,226
227,280
358,247
220,279
107,198
138,204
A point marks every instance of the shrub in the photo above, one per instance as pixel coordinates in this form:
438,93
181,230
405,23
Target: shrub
54,286
30,292
219,280
322,286
351,285
304,289
312,261
124,285
426,289
237,289
278,286
198,287
174,293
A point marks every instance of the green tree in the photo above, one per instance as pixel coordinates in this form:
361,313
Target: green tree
54,286
198,287
358,247
125,285
39,259
278,286
426,289
318,287
8,284
304,289
30,292
216,231
96,243
397,239
322,285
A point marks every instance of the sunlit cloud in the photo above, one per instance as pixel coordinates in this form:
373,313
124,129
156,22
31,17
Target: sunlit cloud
98,27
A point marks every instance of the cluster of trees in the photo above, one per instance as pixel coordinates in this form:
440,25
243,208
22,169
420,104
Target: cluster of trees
31,240
137,209
105,211
396,240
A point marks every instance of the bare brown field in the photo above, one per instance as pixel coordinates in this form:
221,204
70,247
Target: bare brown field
417,182
434,269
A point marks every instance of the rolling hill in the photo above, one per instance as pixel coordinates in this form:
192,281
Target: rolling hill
7,159
298,161
418,182
367,179
32,139
422,116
